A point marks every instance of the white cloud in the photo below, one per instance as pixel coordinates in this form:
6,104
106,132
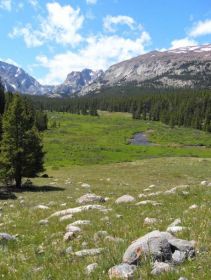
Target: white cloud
110,22
91,2
99,53
201,28
61,26
184,42
6,5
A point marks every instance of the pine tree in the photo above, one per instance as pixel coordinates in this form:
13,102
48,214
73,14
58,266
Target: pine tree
21,146
2,98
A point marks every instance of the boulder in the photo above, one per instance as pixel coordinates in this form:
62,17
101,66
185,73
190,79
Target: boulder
182,245
90,197
125,199
69,236
153,244
122,271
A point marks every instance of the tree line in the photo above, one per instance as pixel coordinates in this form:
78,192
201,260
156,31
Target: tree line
183,107
21,148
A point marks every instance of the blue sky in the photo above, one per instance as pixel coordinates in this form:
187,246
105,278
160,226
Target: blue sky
49,39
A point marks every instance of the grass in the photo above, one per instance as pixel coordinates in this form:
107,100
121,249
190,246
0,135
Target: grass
39,252
85,140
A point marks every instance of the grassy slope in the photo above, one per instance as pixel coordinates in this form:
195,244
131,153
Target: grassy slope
21,258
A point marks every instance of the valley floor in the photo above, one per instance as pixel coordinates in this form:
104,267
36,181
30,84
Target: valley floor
84,150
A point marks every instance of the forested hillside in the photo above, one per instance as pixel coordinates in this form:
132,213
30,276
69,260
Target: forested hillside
184,107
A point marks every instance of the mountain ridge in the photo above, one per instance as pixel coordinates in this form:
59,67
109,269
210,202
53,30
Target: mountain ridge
178,68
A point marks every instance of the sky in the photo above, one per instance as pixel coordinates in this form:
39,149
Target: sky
49,39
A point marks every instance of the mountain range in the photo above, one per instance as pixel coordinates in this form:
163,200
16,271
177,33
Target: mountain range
179,68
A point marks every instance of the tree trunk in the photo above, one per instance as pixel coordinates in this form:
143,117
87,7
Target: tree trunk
18,181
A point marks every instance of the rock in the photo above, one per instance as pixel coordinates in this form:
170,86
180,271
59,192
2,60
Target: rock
179,257
70,228
155,244
203,183
150,221
183,278
161,267
145,202
122,271
6,236
69,250
154,194
42,207
114,239
88,252
69,236
80,209
171,191
175,229
90,268
100,235
118,216
81,222
84,244
141,195
66,217
182,245
151,186
194,206
125,199
90,197
176,223
43,222
147,190
85,185
63,204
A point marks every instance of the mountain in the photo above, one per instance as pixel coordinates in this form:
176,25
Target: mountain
16,79
179,68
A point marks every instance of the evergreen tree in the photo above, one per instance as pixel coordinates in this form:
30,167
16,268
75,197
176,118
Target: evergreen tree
2,98
21,146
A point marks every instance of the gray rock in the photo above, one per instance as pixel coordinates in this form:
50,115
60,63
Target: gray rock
71,228
154,244
6,236
88,252
43,222
69,250
90,268
145,202
122,271
150,221
90,197
125,199
182,245
175,229
179,257
69,236
41,206
66,217
161,267
80,209
81,222
183,278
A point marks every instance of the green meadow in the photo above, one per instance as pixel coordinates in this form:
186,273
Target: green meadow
96,150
